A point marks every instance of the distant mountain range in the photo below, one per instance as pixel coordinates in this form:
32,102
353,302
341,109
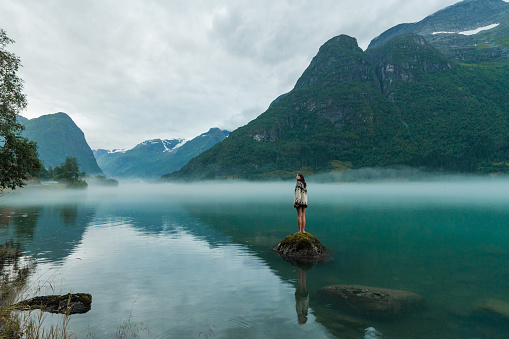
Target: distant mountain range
431,94
153,158
58,137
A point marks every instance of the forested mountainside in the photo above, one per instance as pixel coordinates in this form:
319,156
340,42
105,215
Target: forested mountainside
57,138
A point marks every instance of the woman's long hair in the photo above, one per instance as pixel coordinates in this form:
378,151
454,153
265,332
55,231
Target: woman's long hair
302,179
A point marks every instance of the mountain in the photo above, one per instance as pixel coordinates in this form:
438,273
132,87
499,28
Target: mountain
401,102
469,31
99,152
21,119
457,114
153,158
142,161
58,137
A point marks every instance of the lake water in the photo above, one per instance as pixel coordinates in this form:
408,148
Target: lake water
195,261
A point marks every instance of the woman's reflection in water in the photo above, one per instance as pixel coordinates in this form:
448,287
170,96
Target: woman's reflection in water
302,298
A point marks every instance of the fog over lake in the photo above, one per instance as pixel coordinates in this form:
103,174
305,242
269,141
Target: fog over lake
189,260
446,189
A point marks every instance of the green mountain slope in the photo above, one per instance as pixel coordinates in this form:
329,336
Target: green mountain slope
404,103
58,137
456,114
449,30
153,158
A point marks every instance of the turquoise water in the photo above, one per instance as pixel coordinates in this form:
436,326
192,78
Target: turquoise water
195,261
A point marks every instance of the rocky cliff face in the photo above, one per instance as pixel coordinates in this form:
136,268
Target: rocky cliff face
405,59
339,60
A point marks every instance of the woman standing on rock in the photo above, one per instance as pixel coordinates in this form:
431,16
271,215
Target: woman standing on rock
300,202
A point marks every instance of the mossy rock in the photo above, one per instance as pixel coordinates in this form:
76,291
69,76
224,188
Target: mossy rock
301,248
69,304
373,302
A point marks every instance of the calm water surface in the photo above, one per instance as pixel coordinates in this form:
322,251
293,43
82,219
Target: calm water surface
195,261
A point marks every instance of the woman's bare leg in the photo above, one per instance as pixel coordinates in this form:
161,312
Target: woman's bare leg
299,218
303,220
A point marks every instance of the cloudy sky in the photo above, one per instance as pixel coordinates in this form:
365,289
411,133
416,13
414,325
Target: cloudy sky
131,70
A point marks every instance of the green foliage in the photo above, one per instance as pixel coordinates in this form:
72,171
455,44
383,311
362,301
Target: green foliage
103,181
70,174
456,115
18,155
302,239
46,173
14,274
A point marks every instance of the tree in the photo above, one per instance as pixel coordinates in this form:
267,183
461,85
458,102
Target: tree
103,181
18,155
69,173
45,173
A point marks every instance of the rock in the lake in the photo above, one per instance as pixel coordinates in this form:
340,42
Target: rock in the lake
301,247
491,308
373,301
68,304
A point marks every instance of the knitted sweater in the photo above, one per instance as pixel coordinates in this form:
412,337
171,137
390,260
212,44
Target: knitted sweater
301,195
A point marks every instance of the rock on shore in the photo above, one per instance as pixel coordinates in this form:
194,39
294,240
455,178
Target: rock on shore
68,304
301,247
373,301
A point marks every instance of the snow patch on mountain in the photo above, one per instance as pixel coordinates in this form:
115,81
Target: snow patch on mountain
475,31
170,142
182,142
472,32
151,142
118,150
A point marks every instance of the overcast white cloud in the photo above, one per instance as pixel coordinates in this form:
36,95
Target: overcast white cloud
132,70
